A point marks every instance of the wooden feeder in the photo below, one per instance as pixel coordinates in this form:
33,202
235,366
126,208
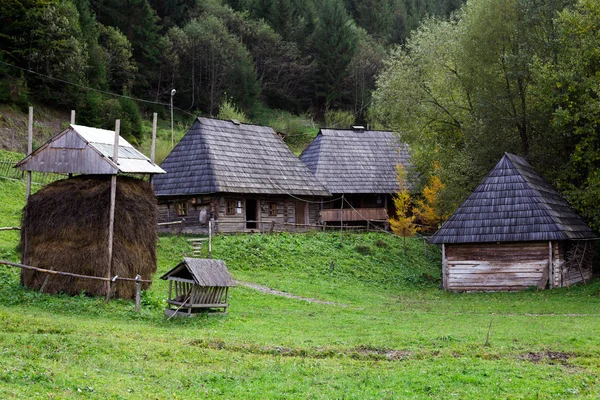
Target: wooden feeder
197,284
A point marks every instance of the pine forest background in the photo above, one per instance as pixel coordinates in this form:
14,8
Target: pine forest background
460,82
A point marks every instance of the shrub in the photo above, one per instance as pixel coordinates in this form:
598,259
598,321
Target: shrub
339,119
362,249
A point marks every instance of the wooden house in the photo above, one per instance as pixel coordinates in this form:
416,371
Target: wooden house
360,165
197,284
242,176
513,232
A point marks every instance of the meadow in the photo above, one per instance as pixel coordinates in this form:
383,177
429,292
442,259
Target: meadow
387,331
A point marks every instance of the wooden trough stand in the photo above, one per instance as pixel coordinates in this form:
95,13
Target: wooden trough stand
197,284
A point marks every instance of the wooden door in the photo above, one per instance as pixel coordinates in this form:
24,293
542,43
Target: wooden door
301,213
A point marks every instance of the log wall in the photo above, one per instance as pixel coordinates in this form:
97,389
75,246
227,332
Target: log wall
216,208
496,267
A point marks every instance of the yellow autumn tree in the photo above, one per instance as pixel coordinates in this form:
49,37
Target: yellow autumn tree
427,209
402,223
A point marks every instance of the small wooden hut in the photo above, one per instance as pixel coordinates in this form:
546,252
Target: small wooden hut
514,232
242,176
360,165
197,284
70,224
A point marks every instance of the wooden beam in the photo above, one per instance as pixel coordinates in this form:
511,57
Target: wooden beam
444,268
29,149
111,216
550,266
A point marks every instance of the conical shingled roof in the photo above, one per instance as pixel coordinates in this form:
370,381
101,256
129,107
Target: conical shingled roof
217,156
513,203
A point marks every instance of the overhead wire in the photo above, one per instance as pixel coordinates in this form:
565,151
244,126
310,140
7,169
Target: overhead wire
79,85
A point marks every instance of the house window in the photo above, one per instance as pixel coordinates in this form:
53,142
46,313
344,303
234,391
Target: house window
273,209
182,209
230,208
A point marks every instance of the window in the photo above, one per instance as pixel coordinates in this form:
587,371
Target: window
182,209
230,208
272,209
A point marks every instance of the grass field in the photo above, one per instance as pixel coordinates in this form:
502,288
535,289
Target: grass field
390,334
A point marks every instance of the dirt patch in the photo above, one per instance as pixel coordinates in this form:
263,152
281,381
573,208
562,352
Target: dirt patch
363,353
552,356
265,289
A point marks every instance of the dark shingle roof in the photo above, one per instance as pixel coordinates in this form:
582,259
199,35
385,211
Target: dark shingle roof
221,156
349,161
513,203
203,271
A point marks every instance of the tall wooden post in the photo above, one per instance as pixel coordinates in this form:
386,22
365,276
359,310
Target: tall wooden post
153,148
111,218
341,219
29,148
209,238
550,266
72,117
444,268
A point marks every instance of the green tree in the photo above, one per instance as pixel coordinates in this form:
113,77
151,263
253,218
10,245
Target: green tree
568,93
333,44
118,59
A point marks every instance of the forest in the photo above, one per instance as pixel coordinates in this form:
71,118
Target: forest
460,82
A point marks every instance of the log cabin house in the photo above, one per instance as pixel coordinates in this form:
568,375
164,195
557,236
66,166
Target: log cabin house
514,232
242,176
359,165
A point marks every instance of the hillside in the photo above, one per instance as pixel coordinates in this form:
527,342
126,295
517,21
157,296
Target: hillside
389,332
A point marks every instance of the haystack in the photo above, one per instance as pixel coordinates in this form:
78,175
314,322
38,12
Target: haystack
65,228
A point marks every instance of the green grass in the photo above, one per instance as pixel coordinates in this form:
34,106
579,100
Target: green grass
393,333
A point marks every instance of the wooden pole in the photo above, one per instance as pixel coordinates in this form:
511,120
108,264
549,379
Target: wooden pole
341,219
72,117
138,292
111,217
29,148
550,266
444,268
209,239
153,148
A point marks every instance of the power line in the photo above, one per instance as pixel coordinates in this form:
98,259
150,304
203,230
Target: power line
94,89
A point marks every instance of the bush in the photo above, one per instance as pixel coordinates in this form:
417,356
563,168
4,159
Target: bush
339,119
228,110
382,244
362,249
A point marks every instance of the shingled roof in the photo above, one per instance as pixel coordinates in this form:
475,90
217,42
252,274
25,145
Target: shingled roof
513,203
203,271
217,156
356,161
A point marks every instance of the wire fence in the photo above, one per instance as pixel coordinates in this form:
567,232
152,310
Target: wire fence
8,170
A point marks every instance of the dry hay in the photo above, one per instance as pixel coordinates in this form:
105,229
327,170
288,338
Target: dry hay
65,228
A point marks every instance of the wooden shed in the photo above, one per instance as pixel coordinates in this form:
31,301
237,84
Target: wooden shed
242,176
94,223
197,284
515,231
360,165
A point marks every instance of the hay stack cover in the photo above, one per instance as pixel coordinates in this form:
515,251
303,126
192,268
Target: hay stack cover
65,227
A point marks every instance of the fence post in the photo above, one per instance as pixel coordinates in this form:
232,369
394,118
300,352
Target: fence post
138,294
210,239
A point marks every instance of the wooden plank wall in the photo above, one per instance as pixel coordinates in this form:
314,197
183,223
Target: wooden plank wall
495,267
